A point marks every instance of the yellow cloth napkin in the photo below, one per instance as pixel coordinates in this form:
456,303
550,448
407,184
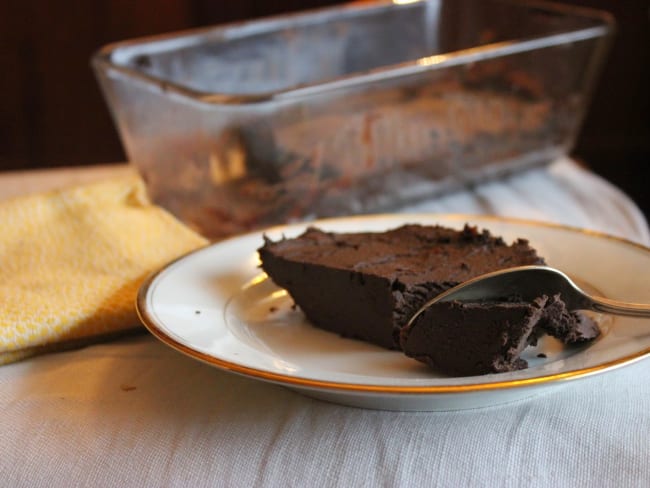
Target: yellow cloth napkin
71,262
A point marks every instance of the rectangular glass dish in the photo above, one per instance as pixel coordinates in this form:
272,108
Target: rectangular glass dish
352,109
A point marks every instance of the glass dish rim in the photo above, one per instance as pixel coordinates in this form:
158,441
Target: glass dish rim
103,59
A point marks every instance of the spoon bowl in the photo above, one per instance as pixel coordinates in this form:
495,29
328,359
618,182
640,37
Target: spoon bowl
528,283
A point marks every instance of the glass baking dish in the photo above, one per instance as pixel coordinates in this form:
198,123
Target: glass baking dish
351,109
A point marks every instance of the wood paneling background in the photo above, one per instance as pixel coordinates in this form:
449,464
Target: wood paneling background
52,112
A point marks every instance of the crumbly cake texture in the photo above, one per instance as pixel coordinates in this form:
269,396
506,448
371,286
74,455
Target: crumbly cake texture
367,285
473,338
568,326
465,339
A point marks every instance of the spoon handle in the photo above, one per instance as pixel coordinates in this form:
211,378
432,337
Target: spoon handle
606,305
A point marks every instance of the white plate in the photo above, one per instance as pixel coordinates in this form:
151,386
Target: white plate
217,306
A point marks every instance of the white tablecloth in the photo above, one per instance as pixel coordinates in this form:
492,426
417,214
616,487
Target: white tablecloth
136,413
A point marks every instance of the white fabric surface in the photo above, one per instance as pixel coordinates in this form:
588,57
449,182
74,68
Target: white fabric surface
136,413
563,193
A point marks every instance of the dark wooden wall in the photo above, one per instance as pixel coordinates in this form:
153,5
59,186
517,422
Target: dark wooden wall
52,113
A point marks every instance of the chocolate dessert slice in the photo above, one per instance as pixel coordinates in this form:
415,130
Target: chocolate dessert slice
472,338
367,285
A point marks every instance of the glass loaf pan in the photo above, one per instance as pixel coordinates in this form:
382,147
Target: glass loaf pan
352,109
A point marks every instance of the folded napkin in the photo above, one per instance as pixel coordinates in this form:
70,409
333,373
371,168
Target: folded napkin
71,262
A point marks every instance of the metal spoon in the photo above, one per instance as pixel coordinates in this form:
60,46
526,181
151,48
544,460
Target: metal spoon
528,283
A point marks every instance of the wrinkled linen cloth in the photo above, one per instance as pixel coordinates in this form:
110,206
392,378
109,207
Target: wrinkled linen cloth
134,412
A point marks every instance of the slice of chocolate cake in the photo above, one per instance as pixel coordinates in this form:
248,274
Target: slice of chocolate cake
367,285
472,338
